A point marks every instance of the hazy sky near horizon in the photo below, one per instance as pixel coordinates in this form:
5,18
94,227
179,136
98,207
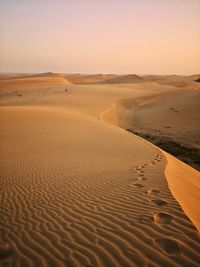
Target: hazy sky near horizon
100,36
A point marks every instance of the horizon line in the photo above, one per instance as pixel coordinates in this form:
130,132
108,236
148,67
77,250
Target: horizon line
95,73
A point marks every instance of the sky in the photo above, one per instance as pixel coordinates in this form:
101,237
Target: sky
100,36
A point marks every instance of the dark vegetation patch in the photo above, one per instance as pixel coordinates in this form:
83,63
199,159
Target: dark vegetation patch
189,155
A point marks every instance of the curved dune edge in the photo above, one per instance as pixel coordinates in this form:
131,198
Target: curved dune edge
109,115
183,182
80,192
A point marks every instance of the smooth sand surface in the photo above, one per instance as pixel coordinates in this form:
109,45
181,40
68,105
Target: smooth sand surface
185,184
186,82
89,79
104,79
172,112
78,190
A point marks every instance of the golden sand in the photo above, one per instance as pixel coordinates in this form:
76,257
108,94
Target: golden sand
79,190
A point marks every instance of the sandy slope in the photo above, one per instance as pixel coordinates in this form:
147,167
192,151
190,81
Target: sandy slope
184,183
186,82
172,113
76,191
124,79
104,79
88,79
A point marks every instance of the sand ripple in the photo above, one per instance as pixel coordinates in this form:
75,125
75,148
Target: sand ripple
73,199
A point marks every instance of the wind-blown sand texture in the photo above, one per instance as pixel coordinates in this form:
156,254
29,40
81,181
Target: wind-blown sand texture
78,190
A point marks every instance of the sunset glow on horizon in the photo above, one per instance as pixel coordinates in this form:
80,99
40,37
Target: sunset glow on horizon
144,37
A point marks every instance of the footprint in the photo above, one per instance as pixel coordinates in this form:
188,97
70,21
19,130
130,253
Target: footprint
142,179
162,218
141,175
168,246
159,202
6,250
139,185
153,192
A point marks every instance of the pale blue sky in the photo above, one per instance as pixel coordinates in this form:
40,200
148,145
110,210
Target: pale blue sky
104,36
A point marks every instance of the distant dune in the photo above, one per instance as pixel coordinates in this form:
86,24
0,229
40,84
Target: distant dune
20,76
13,76
23,80
78,190
104,79
88,79
124,79
178,81
195,77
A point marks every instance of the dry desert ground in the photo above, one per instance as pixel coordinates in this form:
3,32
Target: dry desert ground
79,190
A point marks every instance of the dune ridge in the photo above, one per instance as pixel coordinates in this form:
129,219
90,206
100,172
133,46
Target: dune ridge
88,79
104,79
185,190
77,191
186,82
124,79
177,172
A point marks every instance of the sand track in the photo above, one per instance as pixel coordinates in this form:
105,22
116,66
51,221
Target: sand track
76,191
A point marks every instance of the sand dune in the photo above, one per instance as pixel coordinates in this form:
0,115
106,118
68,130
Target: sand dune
32,79
30,89
195,77
163,113
186,82
88,79
13,76
185,190
78,191
104,79
123,79
20,76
